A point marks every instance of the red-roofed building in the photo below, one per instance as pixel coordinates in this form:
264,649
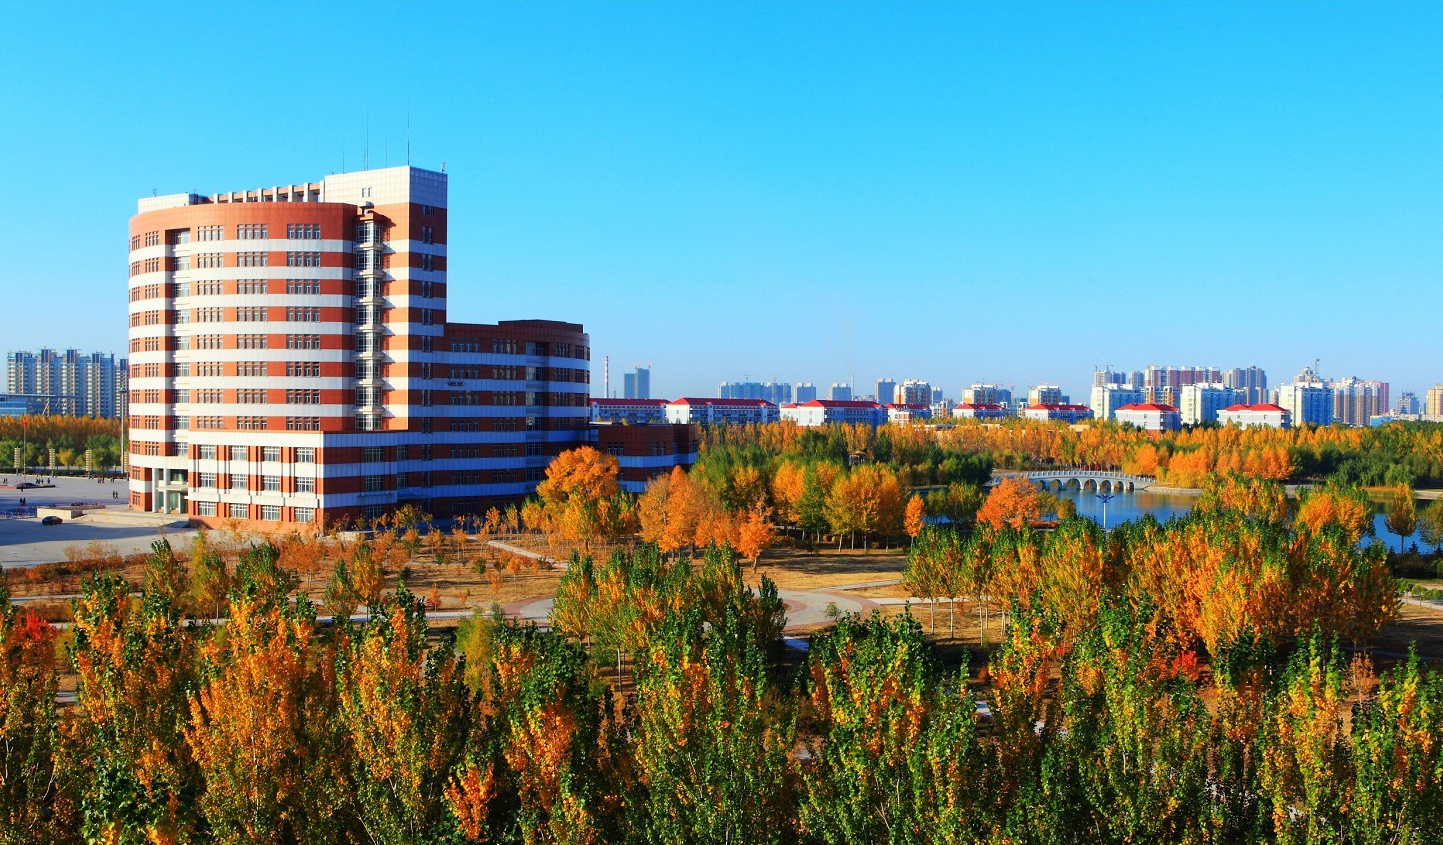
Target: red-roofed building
632,411
703,410
1063,412
834,412
1264,415
1149,416
900,413
980,411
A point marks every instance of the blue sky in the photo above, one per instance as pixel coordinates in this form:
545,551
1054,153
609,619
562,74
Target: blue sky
954,192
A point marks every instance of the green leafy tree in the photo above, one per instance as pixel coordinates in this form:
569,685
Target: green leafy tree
711,738
404,709
33,807
1402,516
895,736
134,665
1398,760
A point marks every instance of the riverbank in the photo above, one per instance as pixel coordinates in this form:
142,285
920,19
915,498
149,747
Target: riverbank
1173,491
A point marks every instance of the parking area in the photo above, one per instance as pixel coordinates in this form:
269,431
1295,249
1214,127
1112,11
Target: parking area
25,542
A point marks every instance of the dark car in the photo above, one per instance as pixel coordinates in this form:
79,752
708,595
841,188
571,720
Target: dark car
25,485
50,520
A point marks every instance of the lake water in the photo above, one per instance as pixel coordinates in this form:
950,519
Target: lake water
1125,507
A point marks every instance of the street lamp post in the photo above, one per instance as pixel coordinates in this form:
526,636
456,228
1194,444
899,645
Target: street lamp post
1104,498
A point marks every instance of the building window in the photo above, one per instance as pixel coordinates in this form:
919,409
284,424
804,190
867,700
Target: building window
305,514
238,481
251,314
270,453
271,483
250,287
300,286
303,259
303,369
303,315
210,233
205,508
251,341
250,397
305,484
252,259
253,369
428,262
303,423
373,483
428,235
239,511
207,453
207,479
305,455
303,341
251,423
271,513
303,231
373,454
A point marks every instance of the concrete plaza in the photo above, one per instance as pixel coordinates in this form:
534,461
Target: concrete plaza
25,542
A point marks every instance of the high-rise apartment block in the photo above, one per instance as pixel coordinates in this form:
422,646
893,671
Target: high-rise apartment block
806,392
1201,402
1356,401
1433,401
986,394
1108,398
1251,384
1046,394
1165,384
637,384
886,389
911,392
840,392
1307,401
291,360
1408,404
777,393
83,384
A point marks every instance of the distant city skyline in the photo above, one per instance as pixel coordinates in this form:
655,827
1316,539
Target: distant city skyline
1009,193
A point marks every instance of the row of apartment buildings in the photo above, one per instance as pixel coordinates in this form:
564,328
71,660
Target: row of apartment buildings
69,382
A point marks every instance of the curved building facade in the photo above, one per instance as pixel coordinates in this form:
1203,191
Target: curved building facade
292,362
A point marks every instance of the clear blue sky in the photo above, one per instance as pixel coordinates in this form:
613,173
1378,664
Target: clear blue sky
953,192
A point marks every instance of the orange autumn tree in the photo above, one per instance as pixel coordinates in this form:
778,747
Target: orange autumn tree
404,711
1013,503
29,727
867,500
580,497
134,662
1332,504
915,516
258,726
547,751
755,534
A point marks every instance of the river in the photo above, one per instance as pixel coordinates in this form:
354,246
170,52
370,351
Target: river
1125,507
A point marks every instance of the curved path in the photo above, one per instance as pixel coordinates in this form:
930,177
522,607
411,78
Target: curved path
804,607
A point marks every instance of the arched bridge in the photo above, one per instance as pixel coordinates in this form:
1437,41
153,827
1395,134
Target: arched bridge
1100,482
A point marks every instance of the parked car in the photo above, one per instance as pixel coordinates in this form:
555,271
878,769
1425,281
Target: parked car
25,485
51,520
